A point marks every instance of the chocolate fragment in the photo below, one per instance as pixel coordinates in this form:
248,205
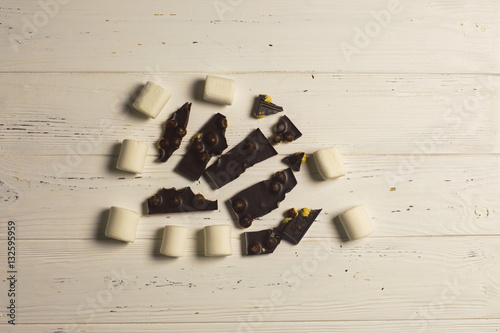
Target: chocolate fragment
253,149
294,228
263,197
175,130
263,107
285,130
209,141
295,160
261,242
175,201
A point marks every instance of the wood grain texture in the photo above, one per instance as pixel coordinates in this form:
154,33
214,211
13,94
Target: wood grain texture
445,36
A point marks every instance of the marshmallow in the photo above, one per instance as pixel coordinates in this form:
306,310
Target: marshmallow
132,156
122,224
217,240
174,241
329,163
219,90
152,99
356,222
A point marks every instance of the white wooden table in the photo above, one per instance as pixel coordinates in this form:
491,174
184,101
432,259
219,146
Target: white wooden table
408,91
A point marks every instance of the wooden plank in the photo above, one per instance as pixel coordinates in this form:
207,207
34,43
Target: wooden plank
88,114
106,282
393,326
445,36
439,195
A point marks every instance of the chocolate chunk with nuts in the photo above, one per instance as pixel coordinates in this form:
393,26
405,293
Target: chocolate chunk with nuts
210,140
295,160
261,242
175,201
174,130
285,130
263,107
253,149
262,198
294,228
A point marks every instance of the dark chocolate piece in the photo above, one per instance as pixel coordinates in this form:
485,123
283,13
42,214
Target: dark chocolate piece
295,226
295,160
253,149
263,107
210,140
262,198
175,130
261,242
285,130
176,201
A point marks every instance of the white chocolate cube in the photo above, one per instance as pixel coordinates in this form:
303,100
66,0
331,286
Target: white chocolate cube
217,240
356,222
152,99
174,241
219,90
122,224
132,156
329,163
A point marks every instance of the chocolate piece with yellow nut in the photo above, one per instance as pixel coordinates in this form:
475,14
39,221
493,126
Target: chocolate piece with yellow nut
175,130
176,201
261,242
262,198
295,160
210,140
263,107
285,130
253,149
295,226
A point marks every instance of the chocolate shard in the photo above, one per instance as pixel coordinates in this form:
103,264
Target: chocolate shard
261,242
253,149
210,140
175,130
295,160
178,201
262,198
263,107
295,226
285,130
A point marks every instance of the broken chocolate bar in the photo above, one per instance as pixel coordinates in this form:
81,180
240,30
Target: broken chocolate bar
209,141
253,149
285,130
295,160
263,197
176,201
295,226
175,130
261,242
263,107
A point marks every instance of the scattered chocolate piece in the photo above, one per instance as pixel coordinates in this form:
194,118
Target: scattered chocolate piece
209,141
253,149
294,228
295,160
263,197
261,242
175,130
263,107
285,130
176,201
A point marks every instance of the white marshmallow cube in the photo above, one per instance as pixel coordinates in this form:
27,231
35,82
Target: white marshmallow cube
174,241
356,222
329,163
152,99
132,156
122,224
217,240
219,90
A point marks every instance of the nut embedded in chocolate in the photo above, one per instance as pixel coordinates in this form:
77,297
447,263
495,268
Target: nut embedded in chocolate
276,138
181,132
280,127
280,176
239,205
223,123
175,201
197,146
246,221
211,139
171,123
176,142
292,212
164,143
203,157
275,187
199,199
288,136
271,242
155,200
255,248
250,145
